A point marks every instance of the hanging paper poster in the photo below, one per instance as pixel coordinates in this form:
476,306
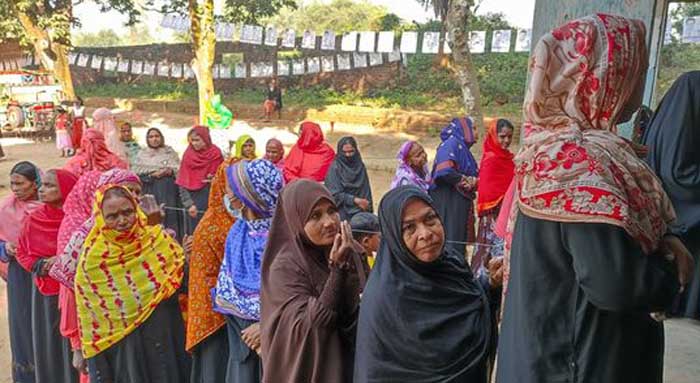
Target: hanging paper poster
110,64
241,70
123,66
137,67
224,31
477,41
83,59
446,47
359,60
376,58
182,24
394,56
96,62
344,62
163,69
252,34
289,39
327,64
176,70
500,41
72,57
313,64
215,71
668,33
283,68
522,42
367,41
385,43
308,41
349,43
328,41
224,71
188,72
298,67
431,42
271,36
149,68
691,30
409,42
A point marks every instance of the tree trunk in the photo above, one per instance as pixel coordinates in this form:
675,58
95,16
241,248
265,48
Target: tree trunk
458,27
52,54
204,48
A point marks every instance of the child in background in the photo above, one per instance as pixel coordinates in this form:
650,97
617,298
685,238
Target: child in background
63,137
365,230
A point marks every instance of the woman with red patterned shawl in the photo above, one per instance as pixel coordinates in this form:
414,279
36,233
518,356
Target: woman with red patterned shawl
589,218
94,155
310,157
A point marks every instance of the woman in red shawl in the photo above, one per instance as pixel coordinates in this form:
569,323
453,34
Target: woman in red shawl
94,155
497,169
36,252
198,167
25,180
310,157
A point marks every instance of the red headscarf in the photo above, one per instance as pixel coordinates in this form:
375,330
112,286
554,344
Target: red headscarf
196,166
94,155
310,157
496,172
40,233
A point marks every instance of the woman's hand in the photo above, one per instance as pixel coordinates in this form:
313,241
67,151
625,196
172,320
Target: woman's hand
361,203
11,249
192,211
187,244
251,337
343,244
46,266
153,211
495,267
79,363
684,261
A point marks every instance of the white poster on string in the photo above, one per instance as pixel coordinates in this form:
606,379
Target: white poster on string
394,56
344,62
224,71
96,62
367,41
308,41
72,57
110,64
349,43
176,70
522,41
376,58
289,38
691,30
385,42
313,65
83,59
359,60
283,68
188,71
328,41
500,41
271,36
241,70
409,42
298,67
252,34
477,41
149,68
136,66
163,69
431,42
327,64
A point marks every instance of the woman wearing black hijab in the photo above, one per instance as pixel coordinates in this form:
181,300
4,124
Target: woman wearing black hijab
347,180
422,290
673,139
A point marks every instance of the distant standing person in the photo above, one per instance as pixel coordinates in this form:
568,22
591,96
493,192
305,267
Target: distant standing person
273,102
63,138
103,122
77,117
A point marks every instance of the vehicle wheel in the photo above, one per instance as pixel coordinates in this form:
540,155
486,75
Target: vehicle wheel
15,116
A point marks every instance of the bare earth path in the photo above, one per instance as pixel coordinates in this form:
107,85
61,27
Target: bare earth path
378,150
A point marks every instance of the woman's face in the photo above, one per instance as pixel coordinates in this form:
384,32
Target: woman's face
348,150
155,140
505,137
197,142
323,224
50,192
23,188
248,149
119,212
422,231
134,188
417,158
273,153
125,133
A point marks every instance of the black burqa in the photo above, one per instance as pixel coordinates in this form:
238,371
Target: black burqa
673,138
419,322
347,179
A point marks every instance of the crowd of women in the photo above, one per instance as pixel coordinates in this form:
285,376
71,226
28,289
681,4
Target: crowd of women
288,276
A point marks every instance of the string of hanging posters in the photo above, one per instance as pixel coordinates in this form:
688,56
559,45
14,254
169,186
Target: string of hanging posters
287,67
367,41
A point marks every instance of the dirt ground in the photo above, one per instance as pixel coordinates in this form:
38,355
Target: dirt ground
378,150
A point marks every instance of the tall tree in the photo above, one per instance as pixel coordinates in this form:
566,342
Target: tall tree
45,26
203,35
455,16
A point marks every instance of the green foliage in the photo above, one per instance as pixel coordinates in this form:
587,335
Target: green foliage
157,90
102,38
683,10
676,59
339,16
388,22
249,11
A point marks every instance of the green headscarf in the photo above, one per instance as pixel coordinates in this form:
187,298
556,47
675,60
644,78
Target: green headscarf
238,146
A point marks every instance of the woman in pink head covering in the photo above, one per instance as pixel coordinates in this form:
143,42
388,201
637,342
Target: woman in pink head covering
103,122
274,152
94,155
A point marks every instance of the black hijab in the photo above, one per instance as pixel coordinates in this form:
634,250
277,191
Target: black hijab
438,308
673,138
348,175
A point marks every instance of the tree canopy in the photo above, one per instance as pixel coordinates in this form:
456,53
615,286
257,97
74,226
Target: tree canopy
339,15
